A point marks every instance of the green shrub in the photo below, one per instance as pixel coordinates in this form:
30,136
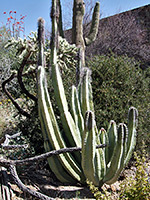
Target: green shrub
138,187
7,122
99,194
135,187
118,83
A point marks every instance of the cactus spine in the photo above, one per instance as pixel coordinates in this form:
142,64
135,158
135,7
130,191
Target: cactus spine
79,126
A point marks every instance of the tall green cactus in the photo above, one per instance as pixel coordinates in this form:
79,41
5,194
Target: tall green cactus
77,28
79,126
77,25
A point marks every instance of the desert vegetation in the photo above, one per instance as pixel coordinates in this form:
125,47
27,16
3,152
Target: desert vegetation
78,127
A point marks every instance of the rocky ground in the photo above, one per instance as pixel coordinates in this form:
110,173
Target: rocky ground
44,181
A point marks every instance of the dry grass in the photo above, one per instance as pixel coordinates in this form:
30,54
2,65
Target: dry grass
7,121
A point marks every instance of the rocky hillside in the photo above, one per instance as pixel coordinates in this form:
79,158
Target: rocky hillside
124,33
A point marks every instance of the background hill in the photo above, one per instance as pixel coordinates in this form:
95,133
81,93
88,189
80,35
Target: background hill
125,33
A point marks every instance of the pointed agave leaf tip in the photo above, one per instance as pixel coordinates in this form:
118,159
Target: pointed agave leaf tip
89,120
41,23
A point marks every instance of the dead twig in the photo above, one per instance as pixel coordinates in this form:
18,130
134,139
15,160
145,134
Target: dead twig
20,74
4,142
19,183
7,163
21,111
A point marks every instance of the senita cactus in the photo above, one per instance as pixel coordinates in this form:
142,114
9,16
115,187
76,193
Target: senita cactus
102,165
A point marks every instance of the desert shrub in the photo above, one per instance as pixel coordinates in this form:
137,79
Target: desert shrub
138,186
8,63
135,187
118,83
99,193
7,122
30,127
2,122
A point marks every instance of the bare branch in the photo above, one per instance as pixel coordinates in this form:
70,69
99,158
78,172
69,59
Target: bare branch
11,147
13,136
21,111
19,183
6,139
6,163
19,76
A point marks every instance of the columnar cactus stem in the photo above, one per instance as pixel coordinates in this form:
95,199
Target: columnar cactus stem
68,123
117,154
54,37
132,125
94,26
60,24
77,25
77,28
79,127
41,41
89,149
65,164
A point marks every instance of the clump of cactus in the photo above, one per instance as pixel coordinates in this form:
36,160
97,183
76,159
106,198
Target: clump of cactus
98,165
66,52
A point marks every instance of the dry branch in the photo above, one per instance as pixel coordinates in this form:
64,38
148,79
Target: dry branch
11,98
6,163
4,142
11,164
20,81
19,183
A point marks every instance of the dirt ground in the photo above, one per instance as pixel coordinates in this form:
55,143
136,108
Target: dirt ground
44,181
38,177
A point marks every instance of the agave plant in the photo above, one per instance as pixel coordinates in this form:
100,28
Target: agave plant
98,165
